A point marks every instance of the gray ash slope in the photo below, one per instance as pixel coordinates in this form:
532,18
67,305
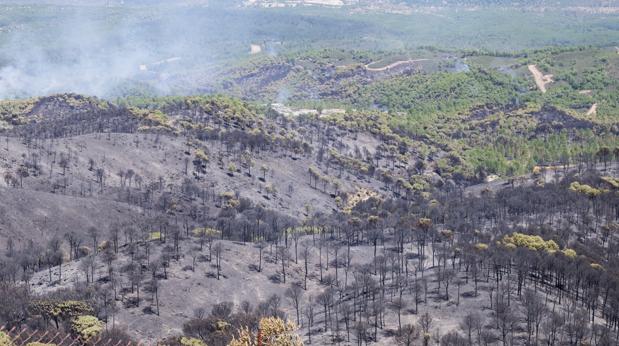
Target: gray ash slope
67,151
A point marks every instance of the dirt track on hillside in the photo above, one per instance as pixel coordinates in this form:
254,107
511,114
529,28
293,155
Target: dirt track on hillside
540,79
390,66
593,110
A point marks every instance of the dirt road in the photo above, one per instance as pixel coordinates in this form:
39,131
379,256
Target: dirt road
593,110
540,79
390,66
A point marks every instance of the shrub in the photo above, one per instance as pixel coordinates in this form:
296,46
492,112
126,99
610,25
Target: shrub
270,188
154,235
200,154
338,201
569,253
481,246
532,242
185,341
57,310
586,189
614,182
273,332
5,340
205,230
87,327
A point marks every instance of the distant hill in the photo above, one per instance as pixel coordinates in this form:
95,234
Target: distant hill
379,3
327,3
107,2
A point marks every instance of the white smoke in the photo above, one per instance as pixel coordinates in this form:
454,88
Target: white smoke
93,51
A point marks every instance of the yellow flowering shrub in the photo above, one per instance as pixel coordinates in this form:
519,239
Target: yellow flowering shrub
156,235
277,332
200,154
185,341
156,117
245,338
532,242
273,331
5,340
361,195
60,309
569,253
229,200
535,243
205,231
481,246
87,326
586,189
614,182
510,246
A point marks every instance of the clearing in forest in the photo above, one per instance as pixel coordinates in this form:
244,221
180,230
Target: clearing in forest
540,79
